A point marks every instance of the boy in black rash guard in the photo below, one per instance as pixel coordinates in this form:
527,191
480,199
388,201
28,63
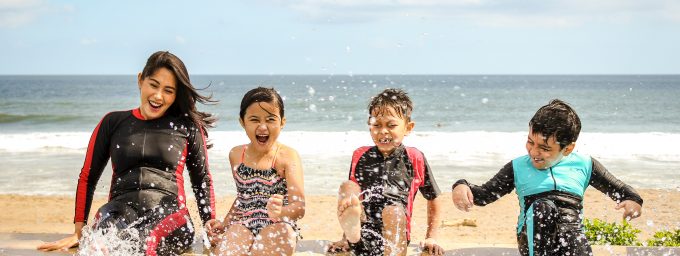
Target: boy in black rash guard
149,148
550,182
386,177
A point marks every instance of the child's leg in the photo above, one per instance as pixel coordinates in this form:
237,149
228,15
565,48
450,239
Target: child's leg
394,230
236,240
275,239
539,234
571,240
349,210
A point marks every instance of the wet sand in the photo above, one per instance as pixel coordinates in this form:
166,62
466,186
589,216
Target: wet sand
495,223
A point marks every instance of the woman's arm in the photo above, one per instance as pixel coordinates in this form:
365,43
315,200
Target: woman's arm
199,174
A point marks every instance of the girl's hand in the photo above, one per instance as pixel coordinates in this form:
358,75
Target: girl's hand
274,206
214,227
631,209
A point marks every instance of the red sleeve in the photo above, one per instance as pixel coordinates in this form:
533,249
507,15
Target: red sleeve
96,158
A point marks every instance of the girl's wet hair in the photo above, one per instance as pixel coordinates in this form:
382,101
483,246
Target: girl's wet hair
557,119
187,95
261,94
395,98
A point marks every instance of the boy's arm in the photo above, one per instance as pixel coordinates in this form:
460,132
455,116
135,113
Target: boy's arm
602,180
434,207
501,184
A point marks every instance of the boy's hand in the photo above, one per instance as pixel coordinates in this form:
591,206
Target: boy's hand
274,206
430,246
631,209
462,197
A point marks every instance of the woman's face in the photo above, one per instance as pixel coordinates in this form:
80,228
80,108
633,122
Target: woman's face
263,125
157,93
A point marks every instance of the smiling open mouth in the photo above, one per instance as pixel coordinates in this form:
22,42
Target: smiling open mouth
262,138
155,105
385,140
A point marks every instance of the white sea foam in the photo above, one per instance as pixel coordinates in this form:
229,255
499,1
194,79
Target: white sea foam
51,161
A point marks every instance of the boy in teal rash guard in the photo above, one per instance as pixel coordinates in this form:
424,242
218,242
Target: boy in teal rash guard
550,182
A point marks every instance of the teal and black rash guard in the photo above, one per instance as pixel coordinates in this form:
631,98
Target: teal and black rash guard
148,158
563,185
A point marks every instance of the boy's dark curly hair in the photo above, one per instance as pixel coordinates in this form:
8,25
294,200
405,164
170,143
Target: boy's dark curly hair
557,119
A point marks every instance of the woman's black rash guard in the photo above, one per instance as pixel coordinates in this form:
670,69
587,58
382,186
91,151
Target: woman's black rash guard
148,159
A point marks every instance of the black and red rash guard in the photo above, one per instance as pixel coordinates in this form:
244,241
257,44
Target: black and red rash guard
148,159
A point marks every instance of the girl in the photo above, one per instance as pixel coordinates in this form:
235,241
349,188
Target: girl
268,176
149,147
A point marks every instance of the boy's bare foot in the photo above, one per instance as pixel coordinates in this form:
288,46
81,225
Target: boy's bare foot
349,215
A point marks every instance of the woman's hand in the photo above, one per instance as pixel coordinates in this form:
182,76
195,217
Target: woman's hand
64,243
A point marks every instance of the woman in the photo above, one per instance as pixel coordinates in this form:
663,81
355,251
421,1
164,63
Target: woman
149,148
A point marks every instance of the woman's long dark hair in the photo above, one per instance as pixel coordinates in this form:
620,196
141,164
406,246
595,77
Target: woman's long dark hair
187,94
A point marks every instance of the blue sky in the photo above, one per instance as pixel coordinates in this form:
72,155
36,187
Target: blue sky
344,37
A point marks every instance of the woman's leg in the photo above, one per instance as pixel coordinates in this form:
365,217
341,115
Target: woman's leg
236,240
275,239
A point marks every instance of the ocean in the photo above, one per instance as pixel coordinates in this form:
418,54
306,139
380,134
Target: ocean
468,126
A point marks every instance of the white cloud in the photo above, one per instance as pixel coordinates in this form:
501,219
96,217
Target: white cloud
14,13
180,40
88,41
550,13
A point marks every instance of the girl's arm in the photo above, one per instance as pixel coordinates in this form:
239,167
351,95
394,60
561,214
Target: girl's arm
295,209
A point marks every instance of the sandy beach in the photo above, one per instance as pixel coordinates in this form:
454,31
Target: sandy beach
495,222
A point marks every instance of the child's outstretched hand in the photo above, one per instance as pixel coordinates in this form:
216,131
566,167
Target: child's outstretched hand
213,228
430,246
274,206
631,209
462,197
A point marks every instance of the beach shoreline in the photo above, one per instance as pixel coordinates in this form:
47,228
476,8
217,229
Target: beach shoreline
495,222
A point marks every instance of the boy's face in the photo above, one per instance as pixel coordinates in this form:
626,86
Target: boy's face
545,154
388,129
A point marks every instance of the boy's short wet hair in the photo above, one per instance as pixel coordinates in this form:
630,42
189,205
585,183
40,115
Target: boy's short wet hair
395,98
557,119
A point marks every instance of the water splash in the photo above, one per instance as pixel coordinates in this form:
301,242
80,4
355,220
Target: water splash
110,242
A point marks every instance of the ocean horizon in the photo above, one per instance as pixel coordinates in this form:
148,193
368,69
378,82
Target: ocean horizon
468,126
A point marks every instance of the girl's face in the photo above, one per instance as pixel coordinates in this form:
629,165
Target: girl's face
157,93
388,129
545,154
263,125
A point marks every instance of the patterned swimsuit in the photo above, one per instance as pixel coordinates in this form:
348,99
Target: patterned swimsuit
254,187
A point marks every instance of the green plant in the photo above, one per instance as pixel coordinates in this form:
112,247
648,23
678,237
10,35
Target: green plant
665,238
602,232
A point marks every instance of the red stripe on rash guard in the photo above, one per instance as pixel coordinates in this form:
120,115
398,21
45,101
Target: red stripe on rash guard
81,191
179,178
418,164
355,159
138,114
207,169
164,228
